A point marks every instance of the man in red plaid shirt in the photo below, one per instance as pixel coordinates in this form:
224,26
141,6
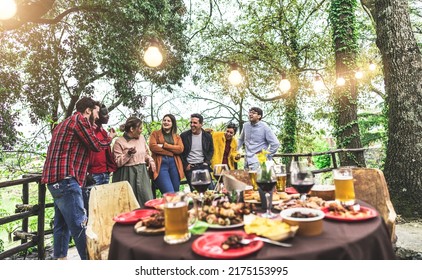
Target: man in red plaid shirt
65,172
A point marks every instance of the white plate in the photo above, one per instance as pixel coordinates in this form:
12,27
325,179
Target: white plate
214,226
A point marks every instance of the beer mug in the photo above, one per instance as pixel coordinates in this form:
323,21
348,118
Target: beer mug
177,218
344,187
281,176
252,177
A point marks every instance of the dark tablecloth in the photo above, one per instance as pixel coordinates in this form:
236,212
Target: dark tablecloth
340,240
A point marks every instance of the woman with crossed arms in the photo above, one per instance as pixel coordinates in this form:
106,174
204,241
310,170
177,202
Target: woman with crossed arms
166,147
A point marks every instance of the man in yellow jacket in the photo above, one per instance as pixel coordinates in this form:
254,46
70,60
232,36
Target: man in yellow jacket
225,147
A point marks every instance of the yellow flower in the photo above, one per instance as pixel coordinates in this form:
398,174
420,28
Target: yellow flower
265,174
262,156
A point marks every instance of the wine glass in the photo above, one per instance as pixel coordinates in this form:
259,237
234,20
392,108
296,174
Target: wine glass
301,178
200,181
218,171
266,181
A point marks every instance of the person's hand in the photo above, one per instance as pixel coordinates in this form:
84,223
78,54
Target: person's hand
152,166
112,133
131,151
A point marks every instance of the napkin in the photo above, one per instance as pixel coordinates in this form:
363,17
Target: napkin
199,228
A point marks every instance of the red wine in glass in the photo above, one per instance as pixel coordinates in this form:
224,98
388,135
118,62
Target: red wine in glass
267,186
200,187
303,188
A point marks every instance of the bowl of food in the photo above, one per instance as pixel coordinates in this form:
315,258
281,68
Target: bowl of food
309,220
326,192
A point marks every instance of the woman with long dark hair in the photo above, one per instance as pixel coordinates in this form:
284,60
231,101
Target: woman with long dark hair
166,147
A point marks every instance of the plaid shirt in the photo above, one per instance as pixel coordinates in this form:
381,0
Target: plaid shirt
69,150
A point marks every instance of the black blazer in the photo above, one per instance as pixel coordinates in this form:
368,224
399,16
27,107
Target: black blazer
207,147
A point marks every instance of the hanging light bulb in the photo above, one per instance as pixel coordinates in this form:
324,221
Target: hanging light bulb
284,83
341,81
153,56
235,78
372,66
7,9
359,74
318,83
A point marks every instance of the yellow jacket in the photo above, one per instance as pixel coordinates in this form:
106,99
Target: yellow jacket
219,141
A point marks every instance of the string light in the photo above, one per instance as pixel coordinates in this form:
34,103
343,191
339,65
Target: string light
8,9
341,81
318,83
235,78
359,74
372,66
153,56
284,83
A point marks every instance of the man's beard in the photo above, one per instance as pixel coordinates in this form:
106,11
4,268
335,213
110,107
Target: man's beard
91,119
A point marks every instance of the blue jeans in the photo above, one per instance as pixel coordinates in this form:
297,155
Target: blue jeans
69,217
100,179
168,179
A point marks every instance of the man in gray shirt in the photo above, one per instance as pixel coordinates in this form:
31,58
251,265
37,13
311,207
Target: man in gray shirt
198,148
256,135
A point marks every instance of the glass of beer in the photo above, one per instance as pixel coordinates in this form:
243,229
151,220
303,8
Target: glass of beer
344,187
252,176
176,218
281,175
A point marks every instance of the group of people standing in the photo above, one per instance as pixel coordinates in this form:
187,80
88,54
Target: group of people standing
80,147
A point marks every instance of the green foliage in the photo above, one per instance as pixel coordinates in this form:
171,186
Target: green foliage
102,42
372,128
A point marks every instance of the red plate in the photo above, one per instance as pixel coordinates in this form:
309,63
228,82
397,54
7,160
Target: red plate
209,245
134,216
370,213
291,190
154,202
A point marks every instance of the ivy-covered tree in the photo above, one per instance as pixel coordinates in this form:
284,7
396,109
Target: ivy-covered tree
345,37
402,62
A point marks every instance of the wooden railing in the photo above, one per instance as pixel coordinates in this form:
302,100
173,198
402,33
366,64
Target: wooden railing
25,210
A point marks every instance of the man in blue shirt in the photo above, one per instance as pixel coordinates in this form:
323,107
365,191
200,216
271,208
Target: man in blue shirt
256,135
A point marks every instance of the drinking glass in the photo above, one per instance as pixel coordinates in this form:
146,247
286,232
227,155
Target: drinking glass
281,175
266,184
218,171
200,181
176,218
301,178
252,177
344,187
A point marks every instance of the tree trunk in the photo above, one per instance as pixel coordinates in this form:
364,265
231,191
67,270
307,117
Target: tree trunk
402,63
345,45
